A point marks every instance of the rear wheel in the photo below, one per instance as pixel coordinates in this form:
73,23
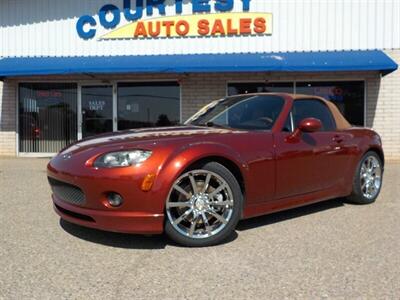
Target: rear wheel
203,206
367,181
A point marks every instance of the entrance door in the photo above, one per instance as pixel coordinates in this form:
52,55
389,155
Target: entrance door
47,116
97,109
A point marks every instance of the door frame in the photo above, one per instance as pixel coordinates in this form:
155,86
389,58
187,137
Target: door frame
79,103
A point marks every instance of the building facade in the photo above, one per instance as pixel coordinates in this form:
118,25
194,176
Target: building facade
72,69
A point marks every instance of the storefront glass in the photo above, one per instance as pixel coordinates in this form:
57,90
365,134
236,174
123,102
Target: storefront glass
148,104
347,95
47,116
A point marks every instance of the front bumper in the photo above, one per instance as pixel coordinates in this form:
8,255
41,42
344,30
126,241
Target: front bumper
124,222
141,212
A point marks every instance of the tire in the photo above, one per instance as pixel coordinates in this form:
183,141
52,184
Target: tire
367,175
207,216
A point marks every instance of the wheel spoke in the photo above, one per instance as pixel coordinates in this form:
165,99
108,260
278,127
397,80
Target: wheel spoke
223,203
182,191
217,190
193,183
363,185
370,164
178,204
193,226
207,182
217,216
183,216
206,224
363,170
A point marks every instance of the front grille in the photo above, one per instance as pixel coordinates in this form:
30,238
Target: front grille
67,192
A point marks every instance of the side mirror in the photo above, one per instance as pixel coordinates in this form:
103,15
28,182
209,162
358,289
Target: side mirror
307,125
310,125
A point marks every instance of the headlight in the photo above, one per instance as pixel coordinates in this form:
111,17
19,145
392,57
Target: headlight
122,159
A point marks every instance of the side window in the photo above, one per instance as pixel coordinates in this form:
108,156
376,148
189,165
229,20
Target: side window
313,109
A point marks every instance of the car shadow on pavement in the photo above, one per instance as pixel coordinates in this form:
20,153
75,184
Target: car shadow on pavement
289,214
123,240
112,239
131,241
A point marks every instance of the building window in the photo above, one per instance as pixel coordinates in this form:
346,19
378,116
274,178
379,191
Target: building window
260,87
347,95
148,104
47,116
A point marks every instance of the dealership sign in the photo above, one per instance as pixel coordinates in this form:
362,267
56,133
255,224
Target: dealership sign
200,23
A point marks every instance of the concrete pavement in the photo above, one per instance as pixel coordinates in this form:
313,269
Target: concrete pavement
326,250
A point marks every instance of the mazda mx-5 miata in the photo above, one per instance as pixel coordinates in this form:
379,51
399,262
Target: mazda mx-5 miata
237,158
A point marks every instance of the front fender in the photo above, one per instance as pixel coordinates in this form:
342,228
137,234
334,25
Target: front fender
183,157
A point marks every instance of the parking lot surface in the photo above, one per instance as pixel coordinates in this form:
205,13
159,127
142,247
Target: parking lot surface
327,250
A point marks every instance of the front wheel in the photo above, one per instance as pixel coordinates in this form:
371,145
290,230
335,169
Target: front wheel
367,181
203,206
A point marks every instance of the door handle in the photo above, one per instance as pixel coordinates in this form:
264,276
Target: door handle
338,139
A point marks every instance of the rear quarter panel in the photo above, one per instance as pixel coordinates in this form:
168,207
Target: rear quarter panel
359,141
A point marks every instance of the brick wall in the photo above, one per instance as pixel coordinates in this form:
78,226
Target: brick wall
383,101
383,108
7,119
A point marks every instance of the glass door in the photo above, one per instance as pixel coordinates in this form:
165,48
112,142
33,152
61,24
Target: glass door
47,116
97,109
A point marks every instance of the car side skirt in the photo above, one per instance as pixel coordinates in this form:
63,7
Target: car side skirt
272,206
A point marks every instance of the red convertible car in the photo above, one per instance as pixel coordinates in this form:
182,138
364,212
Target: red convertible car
237,158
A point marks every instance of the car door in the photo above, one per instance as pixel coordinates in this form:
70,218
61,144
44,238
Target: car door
314,161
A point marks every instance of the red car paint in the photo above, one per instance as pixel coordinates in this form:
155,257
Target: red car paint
278,170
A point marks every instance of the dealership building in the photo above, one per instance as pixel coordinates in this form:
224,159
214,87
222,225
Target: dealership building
72,69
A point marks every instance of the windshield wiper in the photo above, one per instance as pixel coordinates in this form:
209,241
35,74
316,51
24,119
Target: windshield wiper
214,125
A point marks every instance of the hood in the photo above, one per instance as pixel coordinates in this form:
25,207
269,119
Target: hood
143,138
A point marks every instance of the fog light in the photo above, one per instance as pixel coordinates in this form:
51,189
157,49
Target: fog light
115,199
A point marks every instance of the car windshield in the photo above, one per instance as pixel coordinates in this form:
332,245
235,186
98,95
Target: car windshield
247,112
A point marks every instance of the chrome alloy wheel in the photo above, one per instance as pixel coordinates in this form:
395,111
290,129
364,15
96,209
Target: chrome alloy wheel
200,204
370,177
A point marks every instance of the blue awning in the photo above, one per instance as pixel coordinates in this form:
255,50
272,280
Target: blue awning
201,63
